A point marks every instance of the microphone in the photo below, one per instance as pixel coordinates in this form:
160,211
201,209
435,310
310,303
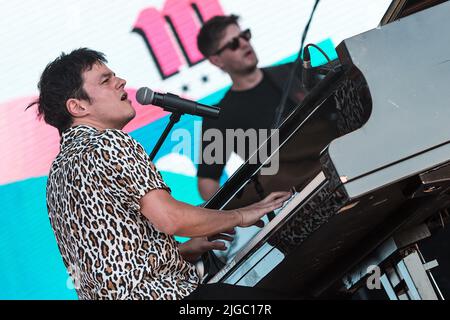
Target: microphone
173,103
307,77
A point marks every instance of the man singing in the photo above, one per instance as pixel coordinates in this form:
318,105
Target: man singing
111,212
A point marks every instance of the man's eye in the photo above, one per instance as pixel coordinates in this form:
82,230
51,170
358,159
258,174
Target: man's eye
106,80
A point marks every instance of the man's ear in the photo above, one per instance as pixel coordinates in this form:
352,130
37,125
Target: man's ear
216,60
76,108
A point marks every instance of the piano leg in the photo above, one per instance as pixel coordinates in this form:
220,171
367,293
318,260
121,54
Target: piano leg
398,268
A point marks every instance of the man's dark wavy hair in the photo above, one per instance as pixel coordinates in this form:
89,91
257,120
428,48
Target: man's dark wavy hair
209,36
61,80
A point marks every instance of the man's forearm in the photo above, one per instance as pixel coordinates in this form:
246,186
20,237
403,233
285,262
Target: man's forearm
196,221
174,217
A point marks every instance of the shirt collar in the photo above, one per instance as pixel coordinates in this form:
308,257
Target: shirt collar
76,132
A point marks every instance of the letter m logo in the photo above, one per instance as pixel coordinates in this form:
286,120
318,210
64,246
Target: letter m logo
171,34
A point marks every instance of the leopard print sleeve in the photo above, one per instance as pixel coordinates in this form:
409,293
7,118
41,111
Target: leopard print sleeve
124,167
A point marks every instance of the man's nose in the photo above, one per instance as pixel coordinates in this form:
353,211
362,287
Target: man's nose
121,83
243,42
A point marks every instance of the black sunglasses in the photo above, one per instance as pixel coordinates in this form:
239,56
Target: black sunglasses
234,43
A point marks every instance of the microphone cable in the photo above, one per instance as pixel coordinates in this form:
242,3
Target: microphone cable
320,50
287,85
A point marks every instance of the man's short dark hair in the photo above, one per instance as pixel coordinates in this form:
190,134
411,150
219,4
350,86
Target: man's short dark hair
61,80
209,36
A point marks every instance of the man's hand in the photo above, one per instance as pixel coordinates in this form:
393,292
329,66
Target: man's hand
193,249
252,214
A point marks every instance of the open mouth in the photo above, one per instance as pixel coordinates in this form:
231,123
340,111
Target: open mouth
124,96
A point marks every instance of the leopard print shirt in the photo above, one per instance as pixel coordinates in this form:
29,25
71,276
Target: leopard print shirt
110,249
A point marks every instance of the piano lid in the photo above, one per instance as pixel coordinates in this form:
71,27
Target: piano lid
407,68
401,8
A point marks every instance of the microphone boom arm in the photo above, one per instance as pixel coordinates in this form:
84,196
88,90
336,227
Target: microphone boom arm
174,118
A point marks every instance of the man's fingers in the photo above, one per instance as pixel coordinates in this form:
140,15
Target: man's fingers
231,231
273,205
285,196
218,245
259,223
277,195
220,236
271,202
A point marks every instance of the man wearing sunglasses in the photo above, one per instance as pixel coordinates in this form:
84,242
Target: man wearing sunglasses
251,101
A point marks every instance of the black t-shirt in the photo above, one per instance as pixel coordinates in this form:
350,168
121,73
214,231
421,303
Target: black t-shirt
249,109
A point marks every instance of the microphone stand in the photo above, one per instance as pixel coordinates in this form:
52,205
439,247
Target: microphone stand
174,118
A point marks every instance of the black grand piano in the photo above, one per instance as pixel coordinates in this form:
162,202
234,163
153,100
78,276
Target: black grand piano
368,154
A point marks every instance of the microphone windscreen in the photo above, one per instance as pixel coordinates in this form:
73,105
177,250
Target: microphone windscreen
144,96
